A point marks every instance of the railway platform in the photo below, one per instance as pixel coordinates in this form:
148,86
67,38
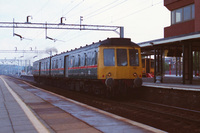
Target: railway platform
173,82
172,92
28,109
173,86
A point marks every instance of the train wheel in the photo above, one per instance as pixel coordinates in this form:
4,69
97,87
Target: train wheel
77,86
97,90
124,92
72,86
86,87
103,92
109,93
81,85
67,85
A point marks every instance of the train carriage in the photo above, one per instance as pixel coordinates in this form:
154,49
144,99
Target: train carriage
107,67
148,67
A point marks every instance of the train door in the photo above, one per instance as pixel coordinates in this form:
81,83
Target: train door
66,65
39,68
50,66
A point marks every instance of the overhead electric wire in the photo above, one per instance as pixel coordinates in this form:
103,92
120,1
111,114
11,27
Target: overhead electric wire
78,35
97,12
40,32
73,8
137,11
86,9
109,8
42,8
54,16
99,9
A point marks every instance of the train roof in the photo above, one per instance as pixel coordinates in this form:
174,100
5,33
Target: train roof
118,42
107,42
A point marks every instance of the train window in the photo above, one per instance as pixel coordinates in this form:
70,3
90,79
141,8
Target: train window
122,57
60,64
89,58
46,66
76,58
79,60
56,63
109,57
95,57
82,60
53,64
133,57
85,61
72,61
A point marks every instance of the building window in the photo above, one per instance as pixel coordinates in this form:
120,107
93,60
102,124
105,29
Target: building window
173,17
182,14
187,13
193,11
179,14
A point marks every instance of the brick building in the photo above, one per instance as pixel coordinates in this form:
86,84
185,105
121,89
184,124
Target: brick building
185,17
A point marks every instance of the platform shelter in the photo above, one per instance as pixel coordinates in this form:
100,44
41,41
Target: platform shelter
186,49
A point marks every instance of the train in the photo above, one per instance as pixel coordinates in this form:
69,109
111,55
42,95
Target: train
111,67
148,67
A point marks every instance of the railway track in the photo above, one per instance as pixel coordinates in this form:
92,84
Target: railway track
167,118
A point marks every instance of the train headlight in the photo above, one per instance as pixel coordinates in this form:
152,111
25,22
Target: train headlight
135,75
109,74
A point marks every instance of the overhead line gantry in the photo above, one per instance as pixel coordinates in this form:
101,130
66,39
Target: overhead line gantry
118,29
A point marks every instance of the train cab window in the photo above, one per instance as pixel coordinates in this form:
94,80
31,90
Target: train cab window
122,57
133,57
109,57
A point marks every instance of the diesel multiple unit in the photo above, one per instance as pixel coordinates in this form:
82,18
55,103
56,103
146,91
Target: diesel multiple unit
109,67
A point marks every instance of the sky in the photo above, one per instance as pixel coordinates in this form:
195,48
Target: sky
143,20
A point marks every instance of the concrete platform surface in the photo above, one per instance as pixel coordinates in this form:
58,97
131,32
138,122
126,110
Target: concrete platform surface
185,87
28,109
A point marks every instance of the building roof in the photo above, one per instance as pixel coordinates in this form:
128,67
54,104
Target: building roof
190,36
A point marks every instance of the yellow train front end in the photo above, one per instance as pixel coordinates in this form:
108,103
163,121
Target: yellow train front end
120,66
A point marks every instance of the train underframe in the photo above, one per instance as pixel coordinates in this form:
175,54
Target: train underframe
118,88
